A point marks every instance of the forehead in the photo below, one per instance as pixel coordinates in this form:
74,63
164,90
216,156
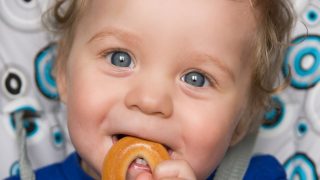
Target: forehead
202,16
237,11
228,21
220,26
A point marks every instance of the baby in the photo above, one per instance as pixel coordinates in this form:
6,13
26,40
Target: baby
193,75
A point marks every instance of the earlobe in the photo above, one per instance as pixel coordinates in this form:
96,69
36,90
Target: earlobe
61,85
60,72
237,136
241,130
60,75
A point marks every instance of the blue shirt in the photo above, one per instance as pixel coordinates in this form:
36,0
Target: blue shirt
262,167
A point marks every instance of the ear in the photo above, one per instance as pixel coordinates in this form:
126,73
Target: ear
60,74
248,124
61,84
242,128
238,134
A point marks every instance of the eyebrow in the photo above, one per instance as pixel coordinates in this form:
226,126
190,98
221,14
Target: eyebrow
131,38
118,33
208,59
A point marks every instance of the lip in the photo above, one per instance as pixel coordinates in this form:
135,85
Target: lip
117,137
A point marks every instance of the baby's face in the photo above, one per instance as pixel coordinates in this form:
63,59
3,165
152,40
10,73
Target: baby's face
174,72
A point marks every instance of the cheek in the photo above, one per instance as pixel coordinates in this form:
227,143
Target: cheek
90,93
209,145
208,131
86,101
83,112
89,99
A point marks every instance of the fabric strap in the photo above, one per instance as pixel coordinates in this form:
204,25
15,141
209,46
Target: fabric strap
236,161
26,172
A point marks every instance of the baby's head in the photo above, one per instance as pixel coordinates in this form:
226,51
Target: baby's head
194,75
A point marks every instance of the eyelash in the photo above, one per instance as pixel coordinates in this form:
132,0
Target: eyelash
105,53
212,81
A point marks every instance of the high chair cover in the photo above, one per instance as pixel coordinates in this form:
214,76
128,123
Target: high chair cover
27,52
292,130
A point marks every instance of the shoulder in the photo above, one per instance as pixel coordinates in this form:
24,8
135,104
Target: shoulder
68,169
265,167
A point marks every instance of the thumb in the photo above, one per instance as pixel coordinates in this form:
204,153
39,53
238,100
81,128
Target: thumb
144,176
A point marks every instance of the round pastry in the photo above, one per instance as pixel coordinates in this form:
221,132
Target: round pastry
125,151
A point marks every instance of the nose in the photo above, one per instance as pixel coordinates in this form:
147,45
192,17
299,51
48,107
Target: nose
151,99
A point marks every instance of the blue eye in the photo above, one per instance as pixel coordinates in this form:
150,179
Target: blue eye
121,59
195,78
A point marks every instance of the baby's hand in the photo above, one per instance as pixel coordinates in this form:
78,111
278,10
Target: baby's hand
170,170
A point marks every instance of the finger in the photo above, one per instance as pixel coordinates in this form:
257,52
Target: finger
144,176
174,169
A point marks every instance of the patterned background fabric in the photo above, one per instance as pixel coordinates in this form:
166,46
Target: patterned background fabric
26,57
27,53
292,131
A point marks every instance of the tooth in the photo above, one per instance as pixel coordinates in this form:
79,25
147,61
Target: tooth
141,161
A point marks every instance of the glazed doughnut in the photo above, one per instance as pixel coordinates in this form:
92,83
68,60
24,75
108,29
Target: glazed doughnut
125,151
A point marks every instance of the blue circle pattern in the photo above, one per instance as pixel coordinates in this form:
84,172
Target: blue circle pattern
275,115
48,74
15,169
311,76
299,60
298,169
57,137
43,72
312,16
302,128
31,127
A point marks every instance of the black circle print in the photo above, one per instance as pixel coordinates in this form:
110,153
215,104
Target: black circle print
13,83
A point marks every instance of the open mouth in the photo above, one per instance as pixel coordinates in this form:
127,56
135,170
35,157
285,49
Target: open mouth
137,162
136,167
